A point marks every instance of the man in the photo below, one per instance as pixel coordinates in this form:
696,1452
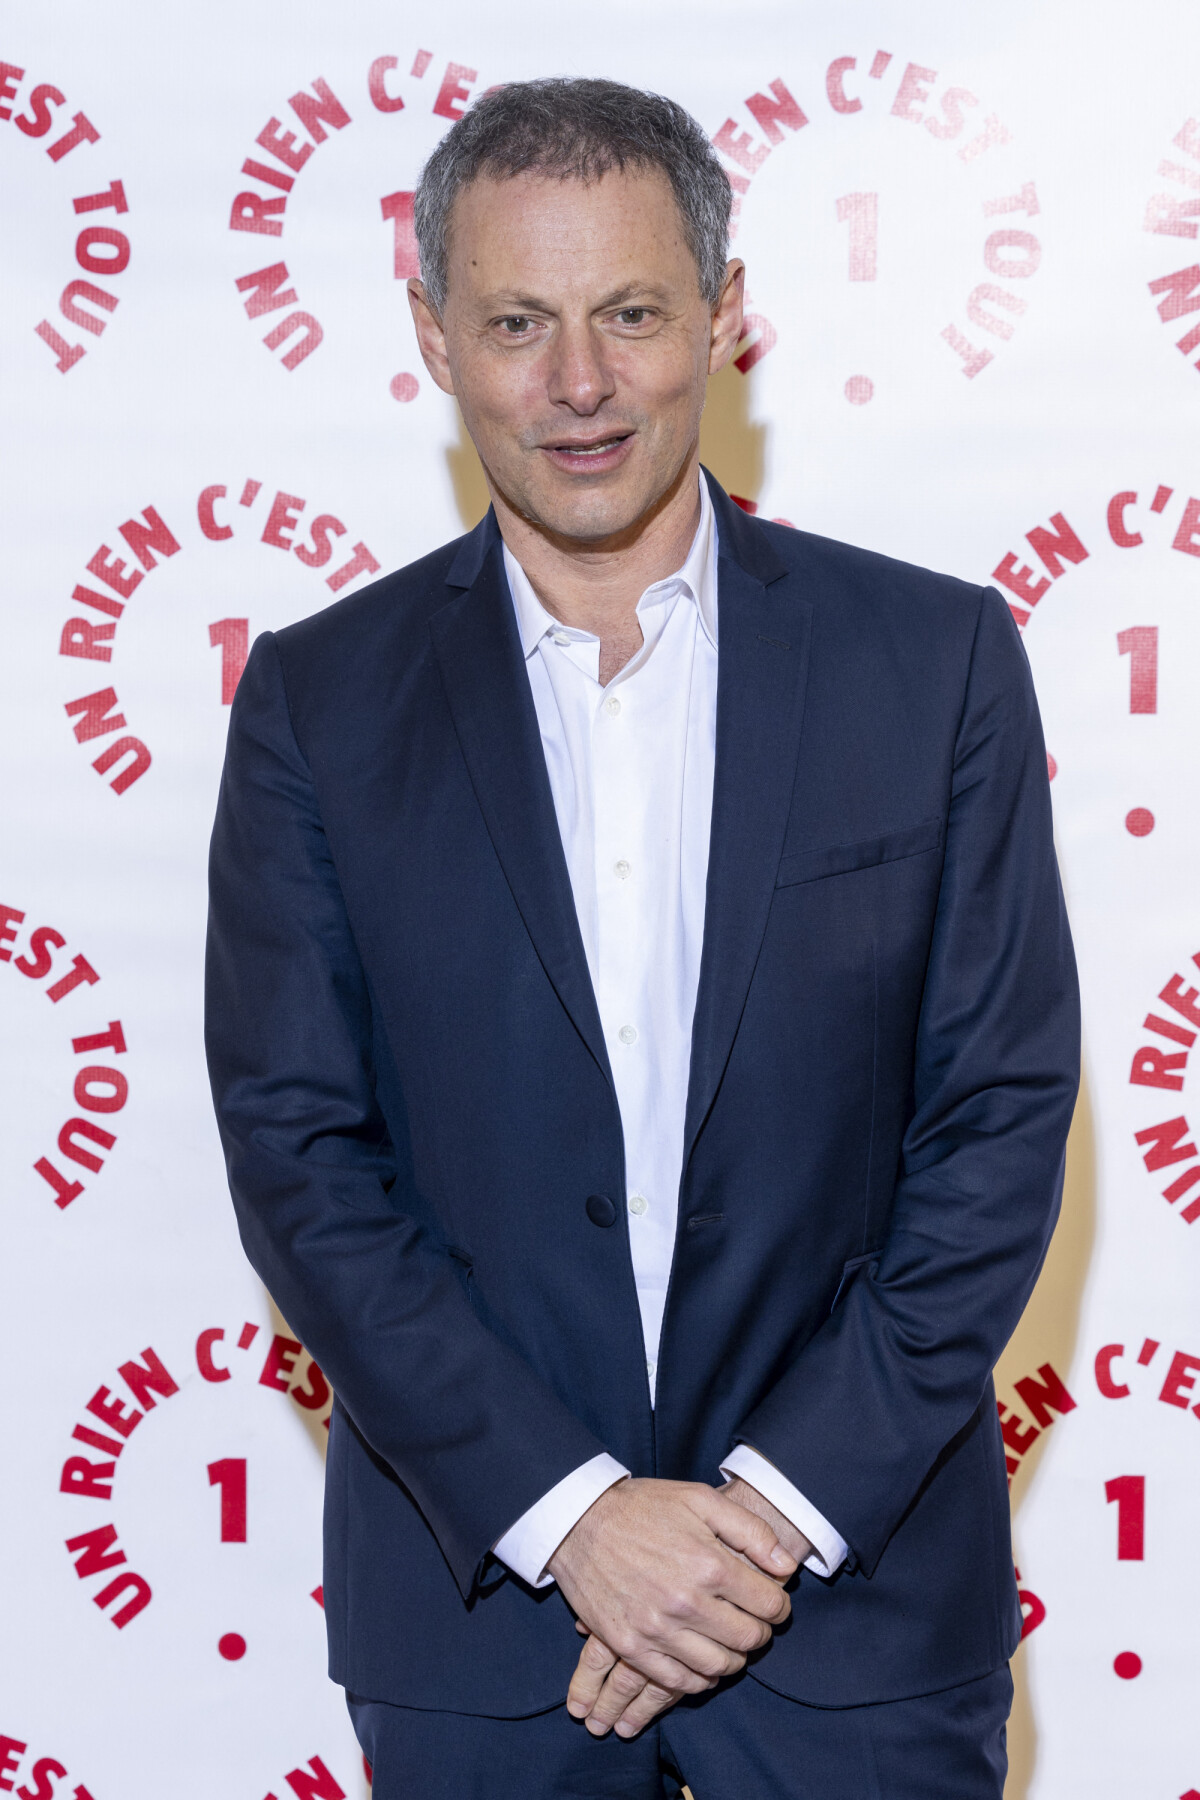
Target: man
644,1033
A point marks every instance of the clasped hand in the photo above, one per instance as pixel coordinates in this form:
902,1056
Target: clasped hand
674,1584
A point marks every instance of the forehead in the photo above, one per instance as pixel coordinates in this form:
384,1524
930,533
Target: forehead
531,231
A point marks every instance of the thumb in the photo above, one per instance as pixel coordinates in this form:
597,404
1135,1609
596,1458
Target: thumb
740,1529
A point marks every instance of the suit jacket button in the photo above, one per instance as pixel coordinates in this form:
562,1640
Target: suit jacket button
600,1209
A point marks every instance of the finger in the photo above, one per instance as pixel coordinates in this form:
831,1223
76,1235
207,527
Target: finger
689,1657
752,1592
740,1529
622,1686
637,1715
707,1662
722,1599
669,1672
595,1661
729,1627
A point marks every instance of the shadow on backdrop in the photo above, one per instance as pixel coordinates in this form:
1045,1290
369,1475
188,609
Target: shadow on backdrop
1049,1332
466,478
311,1423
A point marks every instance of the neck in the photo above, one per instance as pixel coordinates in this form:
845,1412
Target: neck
596,586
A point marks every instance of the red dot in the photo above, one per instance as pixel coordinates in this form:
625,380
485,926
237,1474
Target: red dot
1139,822
859,389
1051,766
404,387
1128,1665
233,1647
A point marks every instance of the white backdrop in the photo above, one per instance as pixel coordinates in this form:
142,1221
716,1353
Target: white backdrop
953,220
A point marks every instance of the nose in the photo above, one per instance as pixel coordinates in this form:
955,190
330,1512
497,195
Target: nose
578,375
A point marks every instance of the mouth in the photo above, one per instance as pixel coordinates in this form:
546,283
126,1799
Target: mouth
590,454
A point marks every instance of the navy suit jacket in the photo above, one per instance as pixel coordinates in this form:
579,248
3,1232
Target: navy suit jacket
425,1149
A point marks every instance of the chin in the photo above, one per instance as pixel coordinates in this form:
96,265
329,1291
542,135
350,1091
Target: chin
591,515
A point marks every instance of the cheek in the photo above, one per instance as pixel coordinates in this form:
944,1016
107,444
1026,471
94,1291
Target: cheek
670,386
498,397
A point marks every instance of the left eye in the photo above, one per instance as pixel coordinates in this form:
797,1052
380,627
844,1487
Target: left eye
633,315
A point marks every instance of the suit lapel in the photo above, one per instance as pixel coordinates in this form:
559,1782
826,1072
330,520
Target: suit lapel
762,674
479,655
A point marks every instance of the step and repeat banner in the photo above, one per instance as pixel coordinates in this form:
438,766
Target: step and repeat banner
973,341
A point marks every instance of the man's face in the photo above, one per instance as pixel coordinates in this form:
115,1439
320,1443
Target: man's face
577,343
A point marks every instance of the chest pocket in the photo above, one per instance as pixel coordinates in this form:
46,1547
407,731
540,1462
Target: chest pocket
867,853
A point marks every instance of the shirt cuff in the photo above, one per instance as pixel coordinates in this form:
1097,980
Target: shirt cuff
829,1548
528,1545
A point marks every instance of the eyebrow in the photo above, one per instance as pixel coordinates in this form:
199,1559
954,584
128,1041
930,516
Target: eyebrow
512,300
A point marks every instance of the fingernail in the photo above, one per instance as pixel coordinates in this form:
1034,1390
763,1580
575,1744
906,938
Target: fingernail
576,1709
624,1731
781,1559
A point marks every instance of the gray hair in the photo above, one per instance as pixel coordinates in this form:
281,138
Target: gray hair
583,129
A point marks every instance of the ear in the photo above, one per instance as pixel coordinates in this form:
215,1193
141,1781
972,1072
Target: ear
431,336
727,318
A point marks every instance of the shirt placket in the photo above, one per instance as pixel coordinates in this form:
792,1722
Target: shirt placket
629,878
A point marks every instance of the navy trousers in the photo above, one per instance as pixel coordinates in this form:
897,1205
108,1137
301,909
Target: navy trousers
743,1741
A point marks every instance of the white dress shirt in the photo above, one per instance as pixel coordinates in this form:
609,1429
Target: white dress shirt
631,772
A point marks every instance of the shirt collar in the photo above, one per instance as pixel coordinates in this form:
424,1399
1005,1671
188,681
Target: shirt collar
696,577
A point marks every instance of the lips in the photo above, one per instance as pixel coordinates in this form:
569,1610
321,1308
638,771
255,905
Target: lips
590,455
595,448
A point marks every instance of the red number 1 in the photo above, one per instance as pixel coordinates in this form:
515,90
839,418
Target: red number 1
861,213
1140,645
1129,1493
233,636
230,1476
405,260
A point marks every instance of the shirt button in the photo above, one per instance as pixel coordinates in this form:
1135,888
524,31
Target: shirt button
638,1203
650,1368
612,706
560,637
628,1034
622,870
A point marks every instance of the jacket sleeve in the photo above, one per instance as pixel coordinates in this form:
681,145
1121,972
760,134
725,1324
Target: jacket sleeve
324,1199
859,1417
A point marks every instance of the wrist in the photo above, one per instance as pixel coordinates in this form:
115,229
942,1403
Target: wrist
789,1535
561,1563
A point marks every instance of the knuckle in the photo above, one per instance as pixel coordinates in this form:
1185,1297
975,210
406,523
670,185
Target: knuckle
668,1672
626,1681
709,1571
733,1661
769,1601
